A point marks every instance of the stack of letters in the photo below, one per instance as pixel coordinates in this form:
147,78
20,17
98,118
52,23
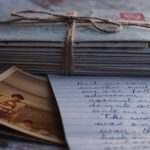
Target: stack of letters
40,48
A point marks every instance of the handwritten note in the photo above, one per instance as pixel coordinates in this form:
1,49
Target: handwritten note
104,113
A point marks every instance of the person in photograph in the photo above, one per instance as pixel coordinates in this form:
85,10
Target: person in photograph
26,124
44,132
10,108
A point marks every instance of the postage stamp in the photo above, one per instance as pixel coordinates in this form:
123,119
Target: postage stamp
132,16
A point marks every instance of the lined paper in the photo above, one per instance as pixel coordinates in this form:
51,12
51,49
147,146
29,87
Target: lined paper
104,113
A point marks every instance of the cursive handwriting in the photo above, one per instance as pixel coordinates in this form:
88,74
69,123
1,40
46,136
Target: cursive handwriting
107,113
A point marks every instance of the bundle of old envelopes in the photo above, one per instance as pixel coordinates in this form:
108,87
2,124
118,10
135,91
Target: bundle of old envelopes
39,48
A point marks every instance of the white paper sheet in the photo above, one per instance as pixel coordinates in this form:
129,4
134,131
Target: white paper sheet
104,113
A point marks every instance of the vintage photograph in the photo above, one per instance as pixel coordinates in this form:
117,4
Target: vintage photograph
26,108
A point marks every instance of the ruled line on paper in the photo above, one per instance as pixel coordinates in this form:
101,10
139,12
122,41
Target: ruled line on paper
117,113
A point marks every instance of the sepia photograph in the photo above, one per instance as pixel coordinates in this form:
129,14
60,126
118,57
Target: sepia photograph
28,110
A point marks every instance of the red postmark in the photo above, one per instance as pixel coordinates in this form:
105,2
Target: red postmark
132,16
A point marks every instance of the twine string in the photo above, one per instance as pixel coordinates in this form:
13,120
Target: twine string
100,24
68,48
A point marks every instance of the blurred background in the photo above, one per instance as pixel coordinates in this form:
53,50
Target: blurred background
86,6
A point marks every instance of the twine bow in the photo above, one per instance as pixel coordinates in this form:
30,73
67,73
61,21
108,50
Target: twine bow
100,24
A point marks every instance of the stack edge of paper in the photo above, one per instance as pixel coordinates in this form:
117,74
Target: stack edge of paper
40,49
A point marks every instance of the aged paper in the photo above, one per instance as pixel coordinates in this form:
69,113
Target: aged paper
27,107
104,113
